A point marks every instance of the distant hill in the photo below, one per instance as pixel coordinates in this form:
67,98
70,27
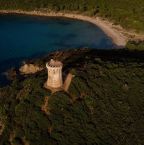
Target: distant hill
130,14
104,105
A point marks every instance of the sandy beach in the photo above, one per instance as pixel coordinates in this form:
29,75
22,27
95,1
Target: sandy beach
118,35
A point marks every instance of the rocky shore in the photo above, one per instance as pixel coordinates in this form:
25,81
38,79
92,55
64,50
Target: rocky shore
29,69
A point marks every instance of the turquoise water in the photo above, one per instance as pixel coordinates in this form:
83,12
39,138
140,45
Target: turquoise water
24,37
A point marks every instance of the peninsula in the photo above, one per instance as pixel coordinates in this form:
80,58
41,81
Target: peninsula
103,104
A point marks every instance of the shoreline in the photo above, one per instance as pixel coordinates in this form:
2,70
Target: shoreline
118,35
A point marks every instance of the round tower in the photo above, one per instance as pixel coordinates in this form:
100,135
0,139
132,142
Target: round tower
54,74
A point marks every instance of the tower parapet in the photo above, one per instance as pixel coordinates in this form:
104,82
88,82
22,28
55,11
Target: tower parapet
54,81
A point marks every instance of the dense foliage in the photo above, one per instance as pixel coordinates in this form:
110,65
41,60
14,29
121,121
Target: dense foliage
133,45
129,14
104,105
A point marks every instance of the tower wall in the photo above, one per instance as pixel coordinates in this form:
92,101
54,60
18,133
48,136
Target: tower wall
54,76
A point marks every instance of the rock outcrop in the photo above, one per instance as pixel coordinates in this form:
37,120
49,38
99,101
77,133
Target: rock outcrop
30,69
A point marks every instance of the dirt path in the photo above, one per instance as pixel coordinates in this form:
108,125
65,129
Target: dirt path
68,82
44,106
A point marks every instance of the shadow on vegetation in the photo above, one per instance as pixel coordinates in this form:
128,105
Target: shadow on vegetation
116,55
82,56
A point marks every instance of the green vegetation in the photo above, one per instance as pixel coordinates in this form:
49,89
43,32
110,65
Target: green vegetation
104,105
129,14
135,45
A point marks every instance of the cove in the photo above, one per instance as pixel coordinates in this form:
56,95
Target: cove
23,37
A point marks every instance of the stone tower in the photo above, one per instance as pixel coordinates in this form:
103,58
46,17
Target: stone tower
54,81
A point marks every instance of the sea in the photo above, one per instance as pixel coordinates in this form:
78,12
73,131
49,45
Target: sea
24,37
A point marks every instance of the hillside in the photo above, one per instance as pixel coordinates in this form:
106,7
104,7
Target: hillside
129,14
104,105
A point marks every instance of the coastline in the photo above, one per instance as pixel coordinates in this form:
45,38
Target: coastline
118,35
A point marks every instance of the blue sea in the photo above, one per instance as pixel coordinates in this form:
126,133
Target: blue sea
23,37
